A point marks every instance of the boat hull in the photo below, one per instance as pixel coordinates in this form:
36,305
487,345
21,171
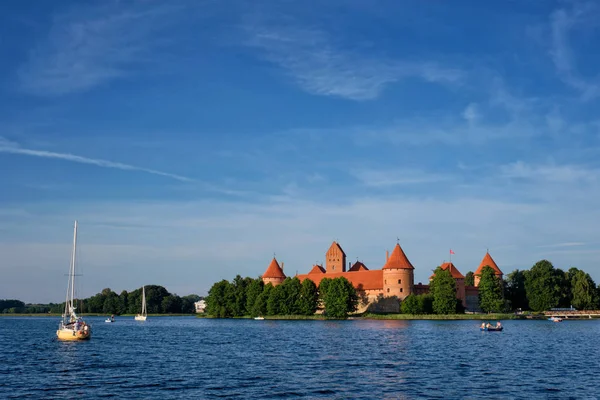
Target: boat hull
491,329
72,335
140,317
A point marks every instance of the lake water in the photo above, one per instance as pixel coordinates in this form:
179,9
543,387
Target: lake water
190,358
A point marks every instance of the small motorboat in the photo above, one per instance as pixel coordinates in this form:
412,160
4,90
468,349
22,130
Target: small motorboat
555,319
111,319
259,318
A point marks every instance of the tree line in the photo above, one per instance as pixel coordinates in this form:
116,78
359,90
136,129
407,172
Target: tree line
251,297
538,289
158,301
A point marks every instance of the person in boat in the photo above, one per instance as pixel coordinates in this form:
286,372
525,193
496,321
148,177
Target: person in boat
488,325
498,325
483,325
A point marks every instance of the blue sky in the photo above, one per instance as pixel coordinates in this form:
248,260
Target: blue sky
194,139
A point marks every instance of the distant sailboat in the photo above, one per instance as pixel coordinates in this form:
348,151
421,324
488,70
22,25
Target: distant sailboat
144,314
72,327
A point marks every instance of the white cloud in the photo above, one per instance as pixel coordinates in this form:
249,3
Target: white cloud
392,177
12,148
550,173
319,66
471,114
175,243
562,22
89,46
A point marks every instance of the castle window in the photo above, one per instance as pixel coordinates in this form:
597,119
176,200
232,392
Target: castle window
385,281
400,290
333,268
388,290
399,281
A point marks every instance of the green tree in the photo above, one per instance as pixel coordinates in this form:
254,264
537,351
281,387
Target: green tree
443,289
470,279
216,301
154,297
309,298
340,298
425,303
187,303
564,283
260,304
253,290
490,291
515,291
111,302
238,296
583,288
171,304
542,285
276,300
291,288
410,305
122,309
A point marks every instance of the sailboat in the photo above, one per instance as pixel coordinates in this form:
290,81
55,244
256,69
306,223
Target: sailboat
72,327
144,314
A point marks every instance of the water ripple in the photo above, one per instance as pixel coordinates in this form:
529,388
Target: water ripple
171,358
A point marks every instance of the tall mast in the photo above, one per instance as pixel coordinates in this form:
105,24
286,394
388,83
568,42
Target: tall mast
73,266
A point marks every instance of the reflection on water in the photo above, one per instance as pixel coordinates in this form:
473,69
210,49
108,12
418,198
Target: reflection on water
196,358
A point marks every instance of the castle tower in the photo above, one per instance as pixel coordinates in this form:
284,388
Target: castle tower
398,275
274,274
489,261
459,279
335,259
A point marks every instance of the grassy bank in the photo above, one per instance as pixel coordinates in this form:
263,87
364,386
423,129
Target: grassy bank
485,317
95,315
280,317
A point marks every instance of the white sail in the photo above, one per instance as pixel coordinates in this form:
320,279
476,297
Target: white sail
144,314
72,327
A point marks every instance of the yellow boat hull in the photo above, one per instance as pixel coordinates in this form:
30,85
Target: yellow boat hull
71,335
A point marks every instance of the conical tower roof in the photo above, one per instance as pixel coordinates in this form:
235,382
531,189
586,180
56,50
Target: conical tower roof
274,270
398,260
489,261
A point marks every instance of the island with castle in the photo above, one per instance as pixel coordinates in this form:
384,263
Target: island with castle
395,278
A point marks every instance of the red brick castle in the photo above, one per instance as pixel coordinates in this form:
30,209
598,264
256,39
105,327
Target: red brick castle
395,278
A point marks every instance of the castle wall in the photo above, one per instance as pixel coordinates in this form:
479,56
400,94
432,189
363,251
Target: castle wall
472,299
398,282
273,281
335,259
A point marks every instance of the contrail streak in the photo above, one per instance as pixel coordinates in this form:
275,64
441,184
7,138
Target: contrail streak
91,161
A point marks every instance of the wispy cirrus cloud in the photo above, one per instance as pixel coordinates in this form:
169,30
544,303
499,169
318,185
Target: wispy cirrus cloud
320,66
13,148
388,178
550,172
89,46
562,23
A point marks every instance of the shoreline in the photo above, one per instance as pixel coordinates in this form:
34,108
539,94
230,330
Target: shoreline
399,317
93,315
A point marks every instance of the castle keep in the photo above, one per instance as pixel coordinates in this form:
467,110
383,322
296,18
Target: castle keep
395,278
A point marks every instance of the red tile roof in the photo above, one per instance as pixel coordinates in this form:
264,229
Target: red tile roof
358,266
274,270
453,270
317,269
398,260
336,244
489,261
365,280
